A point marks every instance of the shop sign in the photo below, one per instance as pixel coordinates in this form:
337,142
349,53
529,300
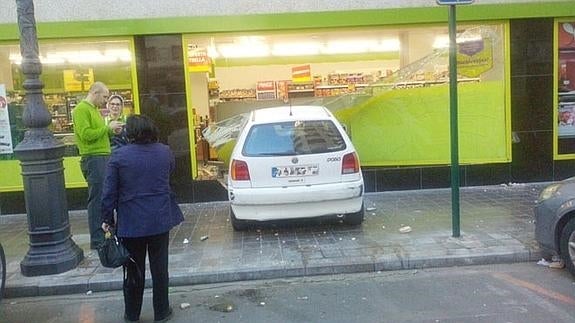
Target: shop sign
301,74
198,59
474,57
453,2
5,133
78,80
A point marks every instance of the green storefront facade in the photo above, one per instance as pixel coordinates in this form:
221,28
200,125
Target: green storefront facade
515,93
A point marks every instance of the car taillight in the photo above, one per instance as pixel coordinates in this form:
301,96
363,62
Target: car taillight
350,164
240,171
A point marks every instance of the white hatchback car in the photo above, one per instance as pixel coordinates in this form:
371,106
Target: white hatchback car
294,162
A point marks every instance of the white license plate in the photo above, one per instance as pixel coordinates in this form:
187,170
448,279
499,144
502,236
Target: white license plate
295,171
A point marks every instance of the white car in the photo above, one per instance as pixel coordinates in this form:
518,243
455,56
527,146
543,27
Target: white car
294,162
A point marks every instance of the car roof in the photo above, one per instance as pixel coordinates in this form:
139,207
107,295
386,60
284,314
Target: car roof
290,113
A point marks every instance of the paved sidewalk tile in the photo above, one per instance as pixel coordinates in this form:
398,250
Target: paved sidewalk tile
496,226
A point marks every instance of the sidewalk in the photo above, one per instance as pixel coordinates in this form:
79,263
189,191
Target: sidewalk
496,226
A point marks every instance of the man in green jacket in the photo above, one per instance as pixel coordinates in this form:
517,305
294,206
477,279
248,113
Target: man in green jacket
93,141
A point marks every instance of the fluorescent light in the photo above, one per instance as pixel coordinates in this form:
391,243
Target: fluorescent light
442,41
109,56
296,49
348,47
386,45
244,50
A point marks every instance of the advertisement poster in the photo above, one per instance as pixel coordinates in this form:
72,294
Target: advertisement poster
78,80
5,134
474,57
198,59
301,74
566,88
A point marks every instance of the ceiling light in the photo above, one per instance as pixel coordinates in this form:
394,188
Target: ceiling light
296,49
243,50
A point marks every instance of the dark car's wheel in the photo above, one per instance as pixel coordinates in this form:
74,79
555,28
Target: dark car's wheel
237,224
355,218
567,246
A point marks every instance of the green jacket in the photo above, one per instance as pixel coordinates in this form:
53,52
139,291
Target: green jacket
92,134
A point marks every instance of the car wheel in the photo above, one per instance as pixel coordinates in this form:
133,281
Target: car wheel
237,224
567,246
355,218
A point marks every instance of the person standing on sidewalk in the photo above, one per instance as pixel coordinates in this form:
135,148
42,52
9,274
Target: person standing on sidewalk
93,140
137,188
116,113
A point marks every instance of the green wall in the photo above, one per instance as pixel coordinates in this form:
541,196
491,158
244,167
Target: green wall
378,126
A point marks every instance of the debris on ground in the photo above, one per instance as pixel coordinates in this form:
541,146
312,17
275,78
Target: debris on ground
262,303
543,262
222,307
353,239
183,306
204,238
186,241
557,263
369,209
383,226
303,298
89,292
405,229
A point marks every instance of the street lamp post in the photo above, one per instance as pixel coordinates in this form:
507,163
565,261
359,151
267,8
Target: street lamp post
51,249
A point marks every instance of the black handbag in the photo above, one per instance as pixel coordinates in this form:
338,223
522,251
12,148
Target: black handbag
112,252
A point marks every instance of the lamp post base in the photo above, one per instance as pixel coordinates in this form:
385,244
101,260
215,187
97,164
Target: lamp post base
55,258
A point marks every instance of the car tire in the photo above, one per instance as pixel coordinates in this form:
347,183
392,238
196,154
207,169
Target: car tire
355,218
237,224
567,246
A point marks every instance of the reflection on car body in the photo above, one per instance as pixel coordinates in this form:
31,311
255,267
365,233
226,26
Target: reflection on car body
294,162
555,220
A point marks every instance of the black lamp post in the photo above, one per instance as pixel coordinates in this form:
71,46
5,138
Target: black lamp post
52,249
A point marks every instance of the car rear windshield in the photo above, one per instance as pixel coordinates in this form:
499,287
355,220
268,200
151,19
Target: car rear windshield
293,138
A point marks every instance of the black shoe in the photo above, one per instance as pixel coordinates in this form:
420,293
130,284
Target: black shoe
167,317
126,319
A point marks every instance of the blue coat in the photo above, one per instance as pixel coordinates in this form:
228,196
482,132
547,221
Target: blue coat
137,186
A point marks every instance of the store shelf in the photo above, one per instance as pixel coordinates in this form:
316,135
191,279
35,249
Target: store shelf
340,86
301,91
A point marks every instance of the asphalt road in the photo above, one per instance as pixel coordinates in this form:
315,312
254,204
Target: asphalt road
494,293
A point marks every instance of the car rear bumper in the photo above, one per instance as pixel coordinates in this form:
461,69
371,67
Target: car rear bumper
296,202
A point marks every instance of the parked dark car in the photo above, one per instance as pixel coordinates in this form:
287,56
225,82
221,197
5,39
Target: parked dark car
555,221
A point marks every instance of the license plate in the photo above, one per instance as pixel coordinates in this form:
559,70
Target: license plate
295,171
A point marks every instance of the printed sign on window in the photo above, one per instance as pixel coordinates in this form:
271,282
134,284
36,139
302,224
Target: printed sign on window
5,131
78,80
198,59
474,57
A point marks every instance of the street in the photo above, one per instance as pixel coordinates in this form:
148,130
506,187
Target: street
522,292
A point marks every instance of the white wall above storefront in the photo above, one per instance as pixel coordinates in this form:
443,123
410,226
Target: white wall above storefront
89,10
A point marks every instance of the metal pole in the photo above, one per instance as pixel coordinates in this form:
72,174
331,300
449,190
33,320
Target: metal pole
52,250
453,121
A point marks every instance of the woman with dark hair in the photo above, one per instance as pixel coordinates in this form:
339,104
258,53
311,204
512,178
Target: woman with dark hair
137,188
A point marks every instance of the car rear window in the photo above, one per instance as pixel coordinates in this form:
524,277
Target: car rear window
293,138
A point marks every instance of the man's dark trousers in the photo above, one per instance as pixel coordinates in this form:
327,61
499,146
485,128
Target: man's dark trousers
94,171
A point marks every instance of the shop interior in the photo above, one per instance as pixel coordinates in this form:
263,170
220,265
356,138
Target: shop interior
68,71
234,74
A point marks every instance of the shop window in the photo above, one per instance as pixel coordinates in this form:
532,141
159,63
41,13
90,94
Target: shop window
388,86
68,70
565,99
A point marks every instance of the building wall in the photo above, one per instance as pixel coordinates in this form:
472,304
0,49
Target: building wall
84,10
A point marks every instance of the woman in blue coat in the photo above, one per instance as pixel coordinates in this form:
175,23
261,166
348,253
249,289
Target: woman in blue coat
137,188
